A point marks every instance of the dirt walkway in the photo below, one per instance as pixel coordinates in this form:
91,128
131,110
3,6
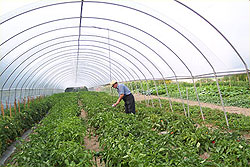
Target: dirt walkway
91,140
229,109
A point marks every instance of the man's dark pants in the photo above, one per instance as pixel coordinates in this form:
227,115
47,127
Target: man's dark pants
129,101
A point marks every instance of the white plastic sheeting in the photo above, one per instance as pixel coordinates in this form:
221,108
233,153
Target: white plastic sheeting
42,45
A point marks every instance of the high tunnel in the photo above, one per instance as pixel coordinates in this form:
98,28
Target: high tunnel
47,46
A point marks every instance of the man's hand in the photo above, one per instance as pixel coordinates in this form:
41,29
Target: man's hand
118,101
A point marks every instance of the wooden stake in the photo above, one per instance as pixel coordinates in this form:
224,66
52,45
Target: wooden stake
10,111
18,106
15,106
6,105
28,102
2,109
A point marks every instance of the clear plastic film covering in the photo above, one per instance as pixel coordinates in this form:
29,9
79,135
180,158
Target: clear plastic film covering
57,44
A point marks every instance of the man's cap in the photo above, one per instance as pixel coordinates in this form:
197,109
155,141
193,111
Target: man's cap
113,82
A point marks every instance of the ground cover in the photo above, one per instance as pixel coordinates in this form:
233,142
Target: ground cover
233,95
156,137
58,140
15,124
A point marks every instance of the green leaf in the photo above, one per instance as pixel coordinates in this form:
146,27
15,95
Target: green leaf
162,149
126,156
198,144
66,162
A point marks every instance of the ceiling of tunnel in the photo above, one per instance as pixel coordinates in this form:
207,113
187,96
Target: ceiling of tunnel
57,44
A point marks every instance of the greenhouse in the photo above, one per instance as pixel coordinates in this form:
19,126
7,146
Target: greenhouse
125,83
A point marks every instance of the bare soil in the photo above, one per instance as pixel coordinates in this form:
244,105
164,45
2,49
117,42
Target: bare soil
91,141
229,109
206,155
247,137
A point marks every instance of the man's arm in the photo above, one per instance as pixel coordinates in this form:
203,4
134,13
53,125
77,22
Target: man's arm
119,99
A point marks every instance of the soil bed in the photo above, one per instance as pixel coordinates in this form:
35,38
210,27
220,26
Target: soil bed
91,140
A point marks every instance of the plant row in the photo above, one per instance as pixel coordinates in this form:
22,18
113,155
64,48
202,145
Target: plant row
213,117
230,81
232,96
58,140
156,137
15,125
